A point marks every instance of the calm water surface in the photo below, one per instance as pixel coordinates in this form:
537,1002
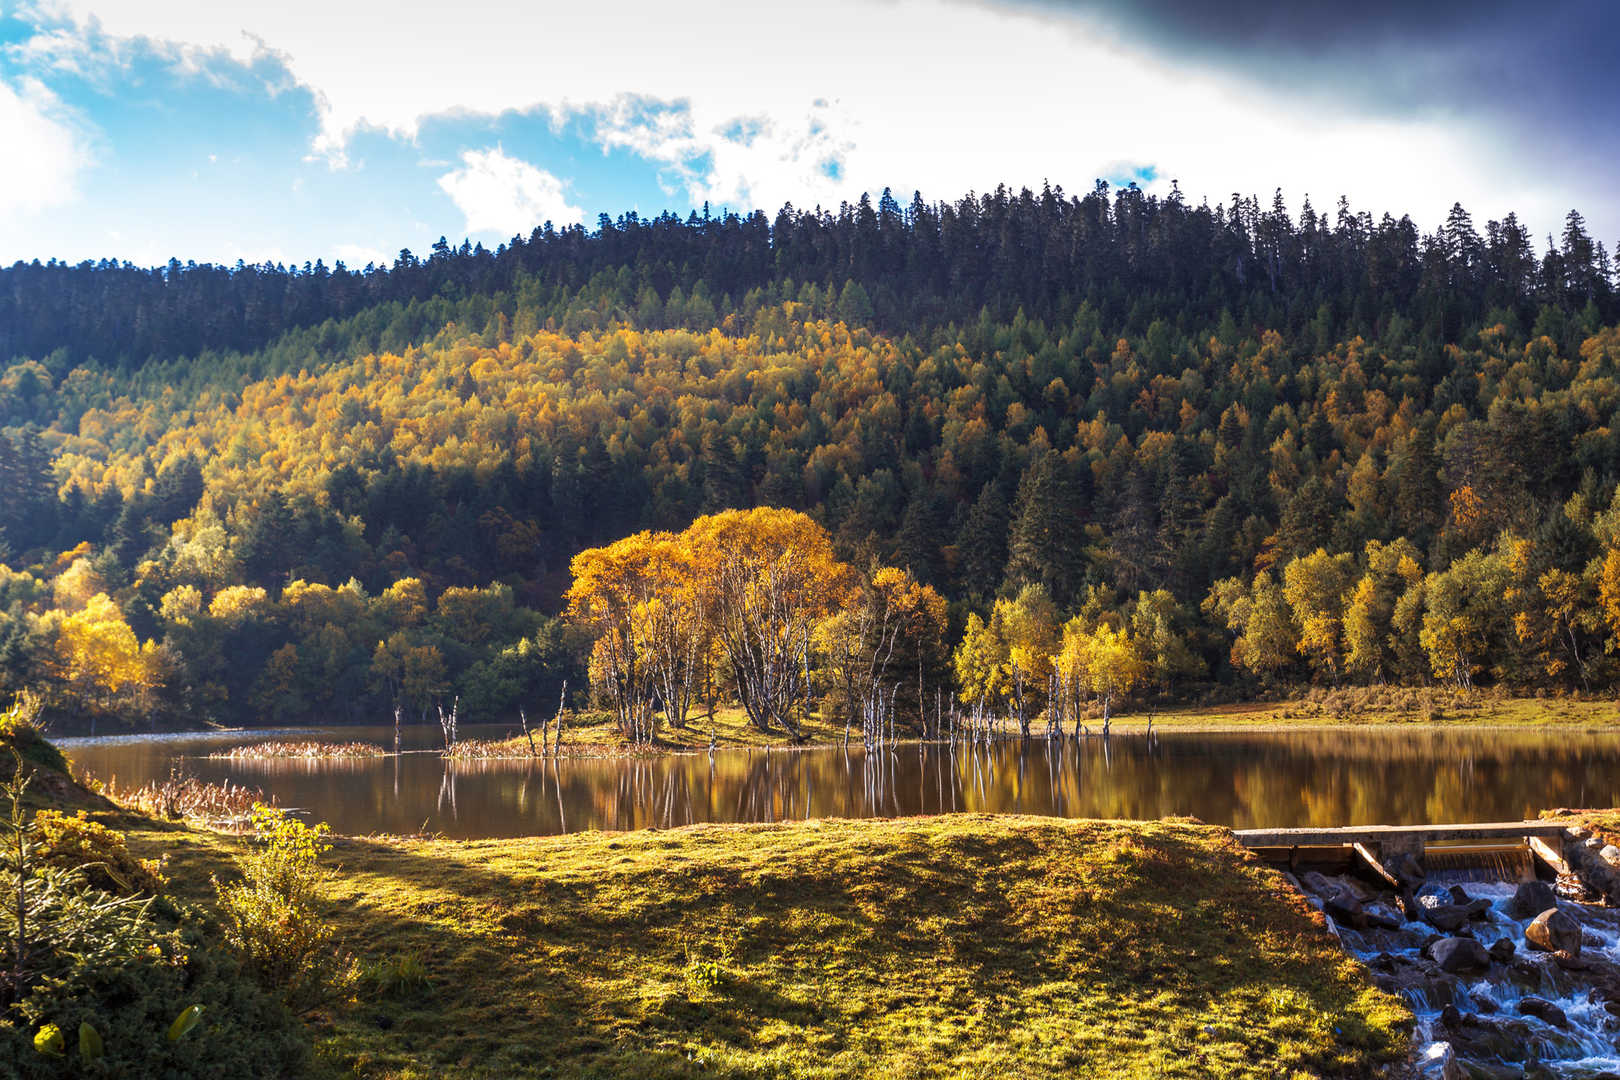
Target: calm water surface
1244,780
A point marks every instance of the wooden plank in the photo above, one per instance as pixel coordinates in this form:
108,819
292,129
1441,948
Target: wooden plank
1548,854
1371,859
1381,834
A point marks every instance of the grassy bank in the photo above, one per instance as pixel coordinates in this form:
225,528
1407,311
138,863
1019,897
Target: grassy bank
591,734
1371,707
945,947
594,735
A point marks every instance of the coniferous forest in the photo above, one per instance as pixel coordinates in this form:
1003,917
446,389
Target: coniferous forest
1224,449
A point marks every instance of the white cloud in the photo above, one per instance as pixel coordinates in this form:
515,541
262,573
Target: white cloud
44,149
501,194
818,104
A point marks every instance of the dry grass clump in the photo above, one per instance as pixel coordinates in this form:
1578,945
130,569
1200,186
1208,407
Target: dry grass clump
307,749
186,798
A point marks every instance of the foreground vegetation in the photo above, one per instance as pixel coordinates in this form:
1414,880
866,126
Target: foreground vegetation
952,946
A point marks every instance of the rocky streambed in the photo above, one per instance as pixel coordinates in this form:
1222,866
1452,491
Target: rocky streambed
1508,980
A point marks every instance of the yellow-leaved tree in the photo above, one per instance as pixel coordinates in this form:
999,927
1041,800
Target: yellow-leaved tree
101,662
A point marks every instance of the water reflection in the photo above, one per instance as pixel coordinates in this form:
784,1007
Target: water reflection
1243,780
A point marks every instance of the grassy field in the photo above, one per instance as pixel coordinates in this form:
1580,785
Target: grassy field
960,946
1360,707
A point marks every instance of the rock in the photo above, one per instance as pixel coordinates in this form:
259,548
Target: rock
1530,899
1542,1009
1405,869
1446,917
1343,906
1478,910
1554,931
1459,896
1380,921
1502,950
1440,1063
1482,1070
1503,1040
1450,1017
1610,854
1317,884
1570,961
1487,1006
1460,954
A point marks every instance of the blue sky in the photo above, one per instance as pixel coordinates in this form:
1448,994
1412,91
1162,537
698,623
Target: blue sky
350,130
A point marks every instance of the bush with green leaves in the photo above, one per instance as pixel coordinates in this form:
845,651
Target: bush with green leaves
272,918
115,975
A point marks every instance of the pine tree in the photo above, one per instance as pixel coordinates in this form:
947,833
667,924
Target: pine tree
1045,544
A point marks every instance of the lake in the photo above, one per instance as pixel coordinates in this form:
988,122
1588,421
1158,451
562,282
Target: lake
1245,780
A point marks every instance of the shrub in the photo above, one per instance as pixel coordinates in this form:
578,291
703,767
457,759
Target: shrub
71,840
122,968
272,918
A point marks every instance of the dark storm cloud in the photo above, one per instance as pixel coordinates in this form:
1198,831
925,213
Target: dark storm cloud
1543,78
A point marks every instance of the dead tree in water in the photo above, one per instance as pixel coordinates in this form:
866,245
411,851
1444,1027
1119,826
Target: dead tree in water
448,722
523,718
562,702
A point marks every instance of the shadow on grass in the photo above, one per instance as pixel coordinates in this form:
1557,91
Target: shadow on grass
986,934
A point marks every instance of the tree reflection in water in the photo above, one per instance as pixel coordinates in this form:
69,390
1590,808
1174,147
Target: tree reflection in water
1245,780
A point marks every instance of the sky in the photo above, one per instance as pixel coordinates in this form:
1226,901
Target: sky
350,129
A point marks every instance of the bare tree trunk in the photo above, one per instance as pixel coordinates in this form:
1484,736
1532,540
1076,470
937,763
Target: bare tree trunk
523,718
562,702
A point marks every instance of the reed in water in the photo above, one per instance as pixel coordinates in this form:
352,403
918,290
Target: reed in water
300,749
185,797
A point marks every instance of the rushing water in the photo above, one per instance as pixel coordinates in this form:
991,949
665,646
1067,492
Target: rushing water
1343,777
1499,1024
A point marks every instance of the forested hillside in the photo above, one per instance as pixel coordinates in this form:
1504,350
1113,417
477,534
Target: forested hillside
1241,446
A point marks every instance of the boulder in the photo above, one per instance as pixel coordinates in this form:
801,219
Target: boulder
1481,1038
1554,931
1446,917
1530,899
1456,954
1610,854
1378,920
1478,910
1317,884
1440,1063
1542,1009
1406,869
1502,950
1345,908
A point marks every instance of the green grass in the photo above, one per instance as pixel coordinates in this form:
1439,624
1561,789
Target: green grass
1376,706
957,946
